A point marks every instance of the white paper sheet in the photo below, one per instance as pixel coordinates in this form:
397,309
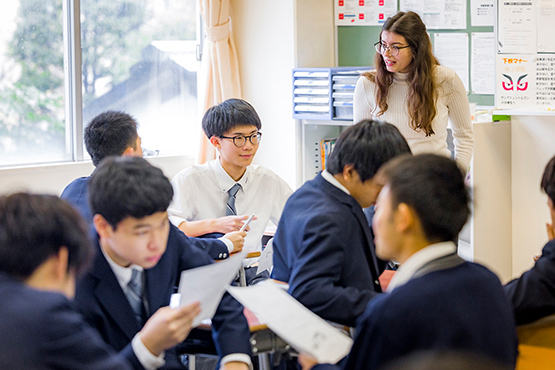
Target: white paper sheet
207,285
302,329
546,19
483,13
266,260
438,14
482,69
363,13
452,51
517,27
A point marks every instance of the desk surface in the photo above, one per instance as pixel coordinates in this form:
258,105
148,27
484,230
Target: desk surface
535,358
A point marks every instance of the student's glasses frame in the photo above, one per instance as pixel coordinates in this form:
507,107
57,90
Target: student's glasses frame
393,49
241,140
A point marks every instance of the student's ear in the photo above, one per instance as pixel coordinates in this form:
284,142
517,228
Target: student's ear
129,152
102,226
215,141
62,261
350,174
405,218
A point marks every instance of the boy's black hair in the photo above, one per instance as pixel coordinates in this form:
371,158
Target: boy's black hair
221,118
34,227
433,186
122,187
110,133
548,180
367,146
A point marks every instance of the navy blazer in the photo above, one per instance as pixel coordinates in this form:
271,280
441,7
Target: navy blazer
462,308
324,249
104,304
40,330
533,294
77,194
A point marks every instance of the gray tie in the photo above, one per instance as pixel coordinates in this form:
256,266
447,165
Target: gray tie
230,206
135,295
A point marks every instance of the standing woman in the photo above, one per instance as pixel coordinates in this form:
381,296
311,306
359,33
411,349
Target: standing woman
411,90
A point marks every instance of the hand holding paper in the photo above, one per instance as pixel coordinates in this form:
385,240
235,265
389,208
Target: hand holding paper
207,284
302,329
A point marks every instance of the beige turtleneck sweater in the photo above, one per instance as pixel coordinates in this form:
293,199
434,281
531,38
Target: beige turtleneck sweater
452,105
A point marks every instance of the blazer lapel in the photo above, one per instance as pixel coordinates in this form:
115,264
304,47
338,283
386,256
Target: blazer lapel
111,297
343,197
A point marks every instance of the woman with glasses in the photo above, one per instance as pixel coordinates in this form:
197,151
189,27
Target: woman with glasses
410,89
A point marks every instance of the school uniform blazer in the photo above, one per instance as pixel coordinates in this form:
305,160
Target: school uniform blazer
324,249
462,308
40,330
533,294
77,194
104,305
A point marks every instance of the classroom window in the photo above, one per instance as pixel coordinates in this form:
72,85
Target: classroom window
138,56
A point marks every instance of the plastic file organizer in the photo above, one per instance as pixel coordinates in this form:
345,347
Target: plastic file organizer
325,93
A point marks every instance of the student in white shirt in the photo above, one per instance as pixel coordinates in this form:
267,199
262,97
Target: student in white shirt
201,192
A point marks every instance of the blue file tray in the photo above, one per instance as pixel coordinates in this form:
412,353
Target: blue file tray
325,93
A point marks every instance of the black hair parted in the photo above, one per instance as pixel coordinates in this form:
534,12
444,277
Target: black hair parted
548,180
110,133
433,186
34,227
367,146
221,118
122,187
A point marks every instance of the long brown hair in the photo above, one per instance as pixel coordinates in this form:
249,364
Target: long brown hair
422,85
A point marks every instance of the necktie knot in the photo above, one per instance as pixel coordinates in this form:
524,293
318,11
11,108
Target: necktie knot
230,206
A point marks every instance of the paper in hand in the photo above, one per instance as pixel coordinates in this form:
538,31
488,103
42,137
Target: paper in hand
266,260
294,323
207,284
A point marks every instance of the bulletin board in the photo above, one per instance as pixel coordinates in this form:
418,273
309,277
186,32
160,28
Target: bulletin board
355,45
525,72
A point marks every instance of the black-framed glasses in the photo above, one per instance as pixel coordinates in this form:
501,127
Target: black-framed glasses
393,49
240,140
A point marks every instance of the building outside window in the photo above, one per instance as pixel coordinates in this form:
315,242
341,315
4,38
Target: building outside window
138,56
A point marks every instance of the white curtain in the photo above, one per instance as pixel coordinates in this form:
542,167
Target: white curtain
219,73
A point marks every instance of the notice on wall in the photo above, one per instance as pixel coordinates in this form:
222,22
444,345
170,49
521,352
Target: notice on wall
545,81
438,14
515,81
363,12
482,13
482,63
454,58
517,27
546,20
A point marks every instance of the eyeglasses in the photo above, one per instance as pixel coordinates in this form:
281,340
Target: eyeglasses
393,49
240,140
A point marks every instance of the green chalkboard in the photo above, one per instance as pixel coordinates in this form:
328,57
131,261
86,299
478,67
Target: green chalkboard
355,48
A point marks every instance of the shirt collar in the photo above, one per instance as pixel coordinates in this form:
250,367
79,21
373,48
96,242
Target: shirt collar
123,274
332,180
225,182
407,270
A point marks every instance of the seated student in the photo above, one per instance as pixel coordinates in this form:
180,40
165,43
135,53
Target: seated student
38,266
204,203
115,133
323,245
436,301
533,294
138,264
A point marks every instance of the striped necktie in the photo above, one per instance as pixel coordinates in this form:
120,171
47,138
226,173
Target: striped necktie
230,205
135,295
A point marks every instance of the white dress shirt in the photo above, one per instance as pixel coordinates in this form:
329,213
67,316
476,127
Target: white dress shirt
200,193
415,262
145,357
